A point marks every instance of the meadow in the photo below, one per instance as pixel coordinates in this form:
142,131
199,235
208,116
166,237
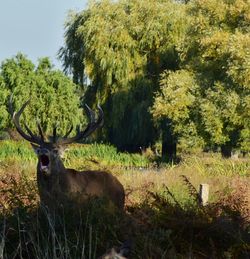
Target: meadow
163,217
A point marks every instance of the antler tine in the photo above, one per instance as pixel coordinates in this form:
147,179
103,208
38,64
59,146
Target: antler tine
40,131
91,127
94,125
54,134
101,116
69,131
38,140
16,116
90,113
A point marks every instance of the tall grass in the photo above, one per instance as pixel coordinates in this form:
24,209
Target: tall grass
213,164
16,150
160,225
106,155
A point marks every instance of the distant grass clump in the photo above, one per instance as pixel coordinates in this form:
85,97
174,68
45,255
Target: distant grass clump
213,164
104,155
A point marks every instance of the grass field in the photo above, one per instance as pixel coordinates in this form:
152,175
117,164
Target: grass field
163,217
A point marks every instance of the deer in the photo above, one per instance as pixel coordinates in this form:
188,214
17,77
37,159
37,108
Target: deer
60,186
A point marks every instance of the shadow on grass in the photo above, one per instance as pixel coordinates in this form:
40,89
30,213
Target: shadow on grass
35,233
158,227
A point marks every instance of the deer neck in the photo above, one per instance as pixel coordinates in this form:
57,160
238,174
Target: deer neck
57,167
49,183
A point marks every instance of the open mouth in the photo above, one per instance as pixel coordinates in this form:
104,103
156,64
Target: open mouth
44,162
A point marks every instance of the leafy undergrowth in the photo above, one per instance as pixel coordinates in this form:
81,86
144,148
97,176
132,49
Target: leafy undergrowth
159,225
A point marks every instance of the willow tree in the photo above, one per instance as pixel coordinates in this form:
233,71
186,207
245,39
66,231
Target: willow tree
73,53
4,93
52,95
127,44
218,51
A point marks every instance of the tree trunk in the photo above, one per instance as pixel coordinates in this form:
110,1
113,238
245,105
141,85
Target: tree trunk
226,150
169,142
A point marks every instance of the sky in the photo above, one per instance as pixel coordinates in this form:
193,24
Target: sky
34,27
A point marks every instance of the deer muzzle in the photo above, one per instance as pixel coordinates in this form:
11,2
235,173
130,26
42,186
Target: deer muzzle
44,163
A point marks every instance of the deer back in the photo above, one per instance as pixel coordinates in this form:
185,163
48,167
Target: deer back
76,188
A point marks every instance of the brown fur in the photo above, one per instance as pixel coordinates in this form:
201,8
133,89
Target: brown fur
75,188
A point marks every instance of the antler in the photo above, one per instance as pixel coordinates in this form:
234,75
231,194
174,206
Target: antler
16,116
91,127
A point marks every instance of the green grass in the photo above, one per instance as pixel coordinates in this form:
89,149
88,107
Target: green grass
162,216
76,155
17,150
214,165
106,155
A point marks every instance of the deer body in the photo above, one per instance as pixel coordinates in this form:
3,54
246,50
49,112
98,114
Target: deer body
72,187
59,186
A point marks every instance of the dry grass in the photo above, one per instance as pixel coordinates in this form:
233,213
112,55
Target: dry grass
154,179
162,218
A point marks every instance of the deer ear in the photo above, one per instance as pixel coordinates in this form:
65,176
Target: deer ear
35,147
61,150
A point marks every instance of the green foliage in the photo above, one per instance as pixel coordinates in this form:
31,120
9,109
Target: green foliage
182,62
218,52
111,52
53,96
73,53
20,151
209,96
177,100
130,115
176,96
3,109
100,155
127,44
220,116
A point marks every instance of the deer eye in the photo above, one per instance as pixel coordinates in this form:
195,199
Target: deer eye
38,151
55,152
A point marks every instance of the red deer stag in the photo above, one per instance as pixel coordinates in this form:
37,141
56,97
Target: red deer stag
58,185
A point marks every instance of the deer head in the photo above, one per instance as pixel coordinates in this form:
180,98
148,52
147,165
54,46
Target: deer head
49,152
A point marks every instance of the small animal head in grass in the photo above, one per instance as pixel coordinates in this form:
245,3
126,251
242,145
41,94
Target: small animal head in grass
118,253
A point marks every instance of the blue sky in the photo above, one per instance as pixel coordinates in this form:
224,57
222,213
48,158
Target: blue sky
34,27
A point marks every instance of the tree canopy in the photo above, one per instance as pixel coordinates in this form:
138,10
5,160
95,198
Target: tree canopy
127,45
218,53
178,69
52,95
210,94
174,71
